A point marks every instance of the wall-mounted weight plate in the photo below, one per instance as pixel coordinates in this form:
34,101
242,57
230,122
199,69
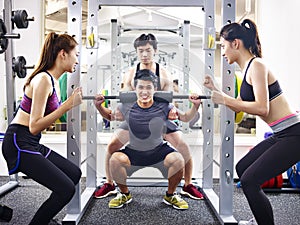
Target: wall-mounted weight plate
3,39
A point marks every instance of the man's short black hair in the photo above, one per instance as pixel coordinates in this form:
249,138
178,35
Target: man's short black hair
145,39
146,74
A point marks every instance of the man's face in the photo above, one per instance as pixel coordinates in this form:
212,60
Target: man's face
144,91
145,53
175,87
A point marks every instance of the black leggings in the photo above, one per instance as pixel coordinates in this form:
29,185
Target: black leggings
44,166
57,174
266,160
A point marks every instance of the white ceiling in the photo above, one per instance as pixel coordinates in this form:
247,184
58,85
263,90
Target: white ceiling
156,17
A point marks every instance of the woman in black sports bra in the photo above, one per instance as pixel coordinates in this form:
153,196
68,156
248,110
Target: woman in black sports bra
260,95
39,108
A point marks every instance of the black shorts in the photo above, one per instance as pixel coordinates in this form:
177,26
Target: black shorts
153,158
171,127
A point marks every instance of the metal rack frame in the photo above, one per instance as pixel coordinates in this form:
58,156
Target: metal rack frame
222,205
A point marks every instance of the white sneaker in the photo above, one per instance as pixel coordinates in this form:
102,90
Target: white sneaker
249,222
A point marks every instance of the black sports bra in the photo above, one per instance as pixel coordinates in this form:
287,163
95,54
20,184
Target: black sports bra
247,93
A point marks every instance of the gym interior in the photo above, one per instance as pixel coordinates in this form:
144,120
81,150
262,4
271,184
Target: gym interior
189,48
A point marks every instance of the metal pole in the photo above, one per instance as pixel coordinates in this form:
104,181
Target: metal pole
91,112
208,110
74,115
116,78
227,126
186,69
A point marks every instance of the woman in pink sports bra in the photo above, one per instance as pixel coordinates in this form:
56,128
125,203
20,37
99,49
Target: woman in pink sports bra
39,108
260,95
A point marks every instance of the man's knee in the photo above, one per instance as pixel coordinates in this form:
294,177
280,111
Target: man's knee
114,146
118,159
174,158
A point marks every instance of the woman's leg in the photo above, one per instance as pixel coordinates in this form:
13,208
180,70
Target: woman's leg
57,174
266,160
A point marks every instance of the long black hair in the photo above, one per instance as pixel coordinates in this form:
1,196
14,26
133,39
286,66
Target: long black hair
52,46
247,32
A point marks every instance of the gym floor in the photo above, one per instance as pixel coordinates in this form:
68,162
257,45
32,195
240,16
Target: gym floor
146,208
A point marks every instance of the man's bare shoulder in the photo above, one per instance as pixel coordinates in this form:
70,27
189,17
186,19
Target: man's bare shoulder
163,71
128,79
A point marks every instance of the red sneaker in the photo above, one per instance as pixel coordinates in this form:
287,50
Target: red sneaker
105,190
192,192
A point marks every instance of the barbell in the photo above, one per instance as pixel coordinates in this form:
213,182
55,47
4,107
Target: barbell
160,96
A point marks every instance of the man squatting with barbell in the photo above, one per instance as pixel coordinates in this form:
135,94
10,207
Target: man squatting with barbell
146,47
146,120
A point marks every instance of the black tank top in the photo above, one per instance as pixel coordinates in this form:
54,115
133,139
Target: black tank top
156,72
247,93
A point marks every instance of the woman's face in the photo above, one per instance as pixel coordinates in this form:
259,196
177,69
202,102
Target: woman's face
227,51
72,60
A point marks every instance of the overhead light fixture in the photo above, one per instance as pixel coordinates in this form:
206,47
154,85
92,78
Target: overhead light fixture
248,6
149,16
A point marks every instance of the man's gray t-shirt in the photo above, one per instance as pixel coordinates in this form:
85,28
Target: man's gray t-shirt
146,125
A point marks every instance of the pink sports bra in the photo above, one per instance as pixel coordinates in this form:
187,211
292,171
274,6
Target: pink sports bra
52,103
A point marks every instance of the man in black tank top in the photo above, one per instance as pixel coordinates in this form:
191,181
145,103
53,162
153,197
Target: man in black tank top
146,47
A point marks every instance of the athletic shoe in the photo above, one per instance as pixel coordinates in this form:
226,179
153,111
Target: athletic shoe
176,201
105,190
192,192
119,201
250,222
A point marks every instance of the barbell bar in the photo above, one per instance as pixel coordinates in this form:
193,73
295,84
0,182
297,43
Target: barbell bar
160,96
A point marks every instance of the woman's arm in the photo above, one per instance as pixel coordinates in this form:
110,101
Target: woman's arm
41,89
258,78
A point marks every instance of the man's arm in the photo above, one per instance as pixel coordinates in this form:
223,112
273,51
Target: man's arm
105,112
190,114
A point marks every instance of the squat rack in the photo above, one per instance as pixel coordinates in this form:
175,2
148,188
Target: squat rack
183,40
222,205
